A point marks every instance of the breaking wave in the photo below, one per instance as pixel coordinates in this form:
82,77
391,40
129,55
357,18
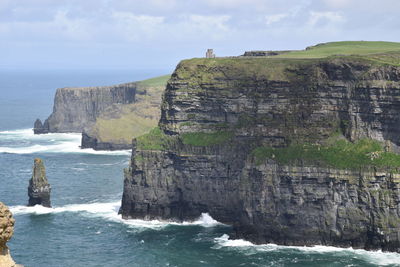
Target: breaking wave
28,143
109,211
375,257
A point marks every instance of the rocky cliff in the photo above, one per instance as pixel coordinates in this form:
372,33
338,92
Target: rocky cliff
296,151
39,188
109,116
6,232
115,127
76,109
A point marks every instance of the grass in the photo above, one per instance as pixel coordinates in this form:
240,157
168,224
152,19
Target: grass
340,154
343,48
156,81
120,123
153,140
206,139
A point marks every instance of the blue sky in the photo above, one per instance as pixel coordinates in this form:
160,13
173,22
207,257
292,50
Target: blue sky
156,34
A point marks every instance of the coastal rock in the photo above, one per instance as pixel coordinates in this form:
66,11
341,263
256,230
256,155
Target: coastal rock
39,188
76,108
40,128
215,113
6,232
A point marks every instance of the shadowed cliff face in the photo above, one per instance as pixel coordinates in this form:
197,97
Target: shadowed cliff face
215,112
76,109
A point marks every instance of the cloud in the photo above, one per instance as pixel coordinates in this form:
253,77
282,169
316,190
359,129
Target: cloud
137,27
324,18
271,19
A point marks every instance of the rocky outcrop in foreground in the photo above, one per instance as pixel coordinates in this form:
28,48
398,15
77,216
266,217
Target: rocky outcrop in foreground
39,188
235,137
6,232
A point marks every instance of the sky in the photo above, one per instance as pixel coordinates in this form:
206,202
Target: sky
157,34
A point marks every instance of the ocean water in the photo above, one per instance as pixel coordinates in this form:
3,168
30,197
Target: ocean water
83,228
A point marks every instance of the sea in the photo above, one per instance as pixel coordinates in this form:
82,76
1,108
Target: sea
83,228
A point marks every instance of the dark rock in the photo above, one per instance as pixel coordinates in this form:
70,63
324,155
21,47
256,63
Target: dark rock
92,142
39,188
40,128
269,103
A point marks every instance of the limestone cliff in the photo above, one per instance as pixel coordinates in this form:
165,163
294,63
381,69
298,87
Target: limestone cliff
296,151
6,232
39,188
109,116
115,127
76,109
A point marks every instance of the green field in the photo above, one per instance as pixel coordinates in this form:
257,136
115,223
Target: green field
343,48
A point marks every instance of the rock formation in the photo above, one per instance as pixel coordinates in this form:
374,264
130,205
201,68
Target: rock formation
76,109
6,232
39,188
108,117
229,133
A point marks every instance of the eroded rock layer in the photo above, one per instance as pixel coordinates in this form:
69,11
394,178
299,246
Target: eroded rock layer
216,112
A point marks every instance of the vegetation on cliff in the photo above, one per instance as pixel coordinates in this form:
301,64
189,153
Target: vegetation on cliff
340,154
120,123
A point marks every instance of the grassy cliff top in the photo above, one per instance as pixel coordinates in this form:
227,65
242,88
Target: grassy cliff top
343,48
387,53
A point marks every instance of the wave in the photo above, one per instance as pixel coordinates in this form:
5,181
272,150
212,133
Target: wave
375,257
109,211
47,143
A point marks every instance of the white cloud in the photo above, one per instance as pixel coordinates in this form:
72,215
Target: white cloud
338,3
324,18
137,27
271,19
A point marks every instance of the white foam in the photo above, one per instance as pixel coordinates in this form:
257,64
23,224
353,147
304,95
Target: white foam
375,257
109,211
57,143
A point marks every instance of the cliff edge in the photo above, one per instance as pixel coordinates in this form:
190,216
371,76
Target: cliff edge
107,116
293,150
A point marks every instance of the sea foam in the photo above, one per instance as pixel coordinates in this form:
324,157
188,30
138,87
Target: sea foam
47,143
375,257
109,211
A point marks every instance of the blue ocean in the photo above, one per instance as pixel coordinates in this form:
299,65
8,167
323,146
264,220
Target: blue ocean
83,228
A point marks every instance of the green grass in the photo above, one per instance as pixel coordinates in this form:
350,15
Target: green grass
206,139
340,154
343,48
156,81
153,140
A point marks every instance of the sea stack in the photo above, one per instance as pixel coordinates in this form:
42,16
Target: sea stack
6,231
39,188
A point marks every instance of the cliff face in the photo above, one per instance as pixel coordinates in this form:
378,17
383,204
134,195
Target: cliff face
115,127
76,109
217,114
6,232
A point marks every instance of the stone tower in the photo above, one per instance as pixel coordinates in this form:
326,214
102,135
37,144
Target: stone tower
210,53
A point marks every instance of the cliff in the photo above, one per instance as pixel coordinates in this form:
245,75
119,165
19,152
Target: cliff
76,109
115,127
39,188
109,116
6,232
297,150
